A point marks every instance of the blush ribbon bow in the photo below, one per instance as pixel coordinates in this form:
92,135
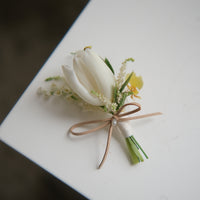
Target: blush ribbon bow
112,121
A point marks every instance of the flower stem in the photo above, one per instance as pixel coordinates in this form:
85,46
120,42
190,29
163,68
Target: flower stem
134,148
139,147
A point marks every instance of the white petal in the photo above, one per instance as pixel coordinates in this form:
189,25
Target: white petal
101,76
83,75
78,88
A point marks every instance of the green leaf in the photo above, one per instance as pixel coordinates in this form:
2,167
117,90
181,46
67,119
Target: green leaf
104,108
74,98
121,103
94,93
53,78
124,96
126,82
109,65
115,94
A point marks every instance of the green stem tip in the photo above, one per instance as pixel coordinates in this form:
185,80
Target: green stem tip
134,149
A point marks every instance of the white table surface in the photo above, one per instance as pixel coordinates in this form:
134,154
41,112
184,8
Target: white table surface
164,39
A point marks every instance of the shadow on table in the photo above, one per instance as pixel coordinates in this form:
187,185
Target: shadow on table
29,32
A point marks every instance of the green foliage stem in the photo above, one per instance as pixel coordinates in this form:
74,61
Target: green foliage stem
115,89
126,82
53,78
123,98
109,65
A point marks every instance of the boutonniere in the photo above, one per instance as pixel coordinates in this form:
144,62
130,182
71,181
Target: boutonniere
91,83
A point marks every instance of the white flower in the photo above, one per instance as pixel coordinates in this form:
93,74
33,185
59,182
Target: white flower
89,73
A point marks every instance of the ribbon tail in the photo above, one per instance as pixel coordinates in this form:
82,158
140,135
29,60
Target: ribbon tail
107,146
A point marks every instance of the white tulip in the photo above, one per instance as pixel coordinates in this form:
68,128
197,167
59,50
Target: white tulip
89,73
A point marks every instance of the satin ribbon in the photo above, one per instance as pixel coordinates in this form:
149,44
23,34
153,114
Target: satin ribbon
112,121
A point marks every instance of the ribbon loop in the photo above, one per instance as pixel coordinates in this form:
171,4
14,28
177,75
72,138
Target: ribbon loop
106,122
129,112
112,121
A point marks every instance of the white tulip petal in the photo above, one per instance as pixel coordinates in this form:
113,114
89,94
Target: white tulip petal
83,74
78,88
103,78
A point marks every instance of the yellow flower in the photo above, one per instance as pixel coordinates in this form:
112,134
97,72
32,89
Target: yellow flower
135,84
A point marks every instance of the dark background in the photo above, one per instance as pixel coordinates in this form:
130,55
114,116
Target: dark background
29,32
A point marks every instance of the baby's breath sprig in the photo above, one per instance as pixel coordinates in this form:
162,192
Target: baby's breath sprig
122,72
108,106
119,95
58,87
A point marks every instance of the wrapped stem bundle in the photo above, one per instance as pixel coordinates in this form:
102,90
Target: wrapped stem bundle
132,144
